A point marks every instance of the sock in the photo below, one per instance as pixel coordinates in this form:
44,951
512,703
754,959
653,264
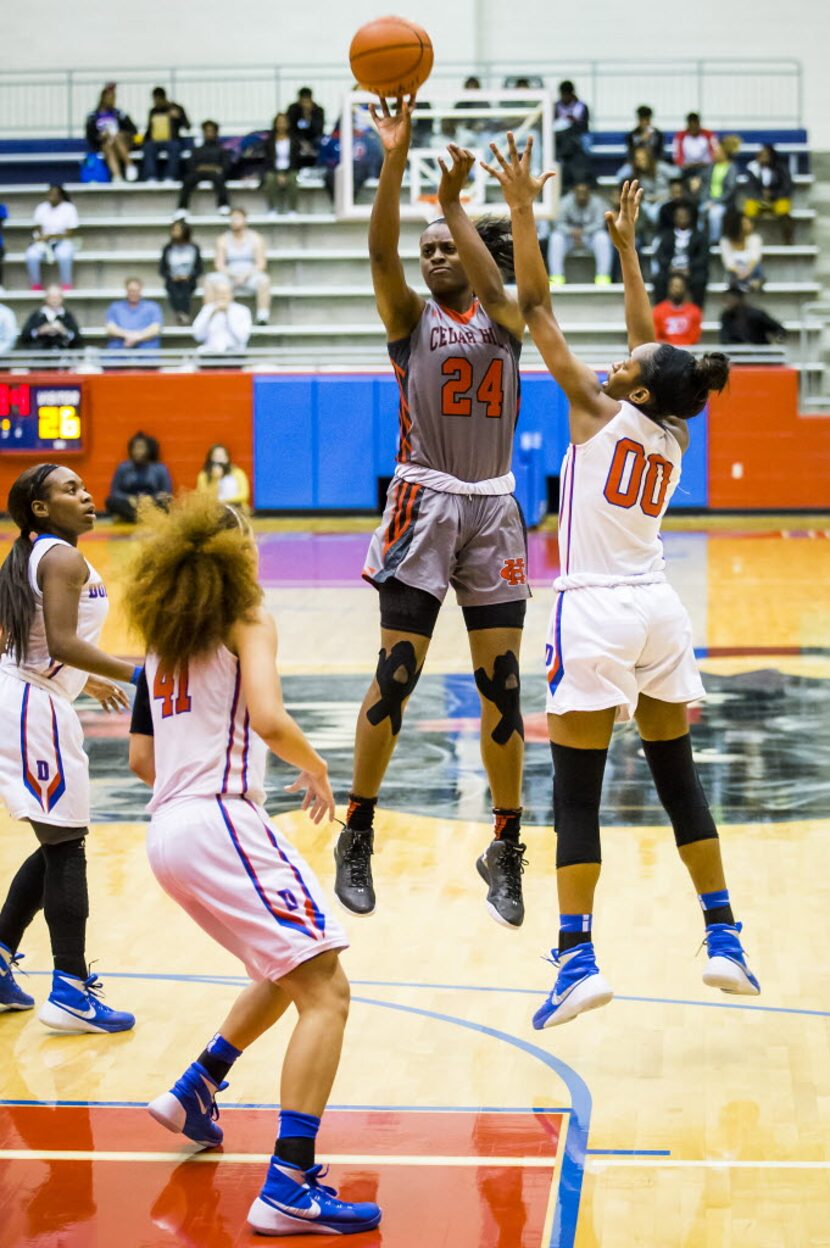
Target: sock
217,1058
716,907
66,905
361,813
297,1138
507,824
25,898
574,929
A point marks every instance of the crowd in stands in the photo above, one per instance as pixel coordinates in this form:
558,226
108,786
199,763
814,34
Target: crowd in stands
692,202
143,475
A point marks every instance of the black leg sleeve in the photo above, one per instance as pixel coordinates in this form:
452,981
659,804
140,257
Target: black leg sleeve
24,899
66,904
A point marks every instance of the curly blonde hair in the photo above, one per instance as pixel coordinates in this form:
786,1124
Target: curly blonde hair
194,574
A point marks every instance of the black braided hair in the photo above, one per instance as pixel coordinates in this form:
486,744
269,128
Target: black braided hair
17,602
497,235
679,382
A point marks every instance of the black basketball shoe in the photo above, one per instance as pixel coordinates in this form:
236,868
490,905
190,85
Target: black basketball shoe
501,867
353,882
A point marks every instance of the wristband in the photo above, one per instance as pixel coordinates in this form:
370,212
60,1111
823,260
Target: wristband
136,676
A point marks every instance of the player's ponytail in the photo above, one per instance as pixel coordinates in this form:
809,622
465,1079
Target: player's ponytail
17,602
497,235
193,576
680,383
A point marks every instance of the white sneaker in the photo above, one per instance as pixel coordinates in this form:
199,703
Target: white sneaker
225,210
580,986
262,317
131,173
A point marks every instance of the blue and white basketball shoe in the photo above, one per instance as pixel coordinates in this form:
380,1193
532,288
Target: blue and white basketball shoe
726,966
12,996
73,1006
579,987
190,1107
293,1202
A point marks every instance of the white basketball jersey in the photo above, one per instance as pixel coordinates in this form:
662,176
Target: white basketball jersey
204,746
39,668
614,491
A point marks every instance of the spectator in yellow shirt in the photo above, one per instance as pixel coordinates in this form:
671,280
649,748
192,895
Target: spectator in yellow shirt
222,476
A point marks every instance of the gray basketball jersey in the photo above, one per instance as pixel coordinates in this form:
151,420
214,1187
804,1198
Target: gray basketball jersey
458,375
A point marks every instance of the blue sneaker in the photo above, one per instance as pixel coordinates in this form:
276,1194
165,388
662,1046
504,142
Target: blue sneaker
726,967
190,1107
292,1202
579,987
73,1006
12,996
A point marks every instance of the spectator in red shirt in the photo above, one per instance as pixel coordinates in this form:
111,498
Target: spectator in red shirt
694,151
677,320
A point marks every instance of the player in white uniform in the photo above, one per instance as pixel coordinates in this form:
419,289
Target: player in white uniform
52,607
205,714
620,641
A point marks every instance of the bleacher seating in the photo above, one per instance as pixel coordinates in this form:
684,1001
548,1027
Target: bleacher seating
318,264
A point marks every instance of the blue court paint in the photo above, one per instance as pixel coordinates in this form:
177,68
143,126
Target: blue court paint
628,1152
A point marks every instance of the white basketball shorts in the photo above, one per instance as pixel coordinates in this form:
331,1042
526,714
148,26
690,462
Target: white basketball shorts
44,770
606,646
243,883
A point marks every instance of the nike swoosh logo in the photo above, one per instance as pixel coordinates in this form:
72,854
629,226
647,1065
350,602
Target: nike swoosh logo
312,1212
70,1009
202,1106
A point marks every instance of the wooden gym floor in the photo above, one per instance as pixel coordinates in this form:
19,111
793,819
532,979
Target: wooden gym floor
674,1118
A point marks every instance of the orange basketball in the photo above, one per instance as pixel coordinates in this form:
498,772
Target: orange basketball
391,56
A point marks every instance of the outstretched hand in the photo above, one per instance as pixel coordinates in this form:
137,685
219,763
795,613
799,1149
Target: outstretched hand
455,177
395,129
622,226
519,186
318,799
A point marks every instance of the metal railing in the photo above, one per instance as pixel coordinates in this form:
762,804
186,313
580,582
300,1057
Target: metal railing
725,91
814,351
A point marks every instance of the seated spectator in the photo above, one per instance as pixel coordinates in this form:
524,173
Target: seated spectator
8,329
741,322
769,189
209,162
720,184
677,320
181,267
52,327
682,249
694,151
367,154
56,220
134,323
580,224
165,123
111,132
141,475
644,135
678,194
224,478
306,121
223,325
571,120
655,179
240,256
282,161
742,252
4,212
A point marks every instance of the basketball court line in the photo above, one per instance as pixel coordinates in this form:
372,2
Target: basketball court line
482,1161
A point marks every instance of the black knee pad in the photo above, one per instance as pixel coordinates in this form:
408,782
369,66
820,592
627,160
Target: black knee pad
65,884
406,609
496,615
503,689
679,789
397,675
577,791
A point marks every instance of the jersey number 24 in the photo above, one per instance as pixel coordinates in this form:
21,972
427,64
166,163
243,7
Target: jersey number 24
631,465
456,392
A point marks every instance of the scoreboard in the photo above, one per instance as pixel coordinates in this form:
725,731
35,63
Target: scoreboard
41,417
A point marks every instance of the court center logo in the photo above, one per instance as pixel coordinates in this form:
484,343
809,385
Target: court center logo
514,572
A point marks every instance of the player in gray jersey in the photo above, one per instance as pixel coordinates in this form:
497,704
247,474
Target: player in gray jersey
451,517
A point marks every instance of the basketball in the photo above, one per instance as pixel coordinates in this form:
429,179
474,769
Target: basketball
391,56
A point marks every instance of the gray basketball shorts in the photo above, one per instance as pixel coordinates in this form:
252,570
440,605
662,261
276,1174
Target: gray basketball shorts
430,540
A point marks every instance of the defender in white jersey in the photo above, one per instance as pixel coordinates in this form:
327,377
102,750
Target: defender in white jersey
620,641
52,607
451,518
207,709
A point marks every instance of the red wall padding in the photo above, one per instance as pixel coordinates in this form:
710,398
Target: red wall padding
187,413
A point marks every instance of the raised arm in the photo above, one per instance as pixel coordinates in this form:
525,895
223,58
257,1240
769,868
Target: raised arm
520,189
398,305
639,320
484,274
